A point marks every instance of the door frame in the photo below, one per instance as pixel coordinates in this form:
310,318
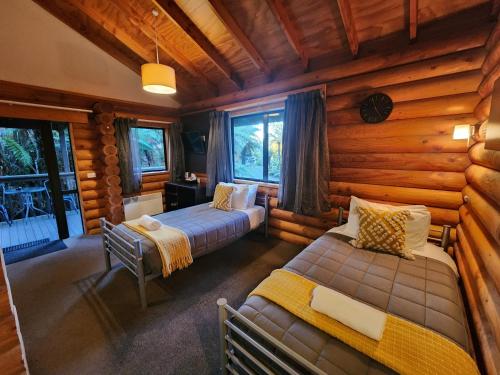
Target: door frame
49,153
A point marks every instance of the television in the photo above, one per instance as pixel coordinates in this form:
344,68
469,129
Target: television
194,142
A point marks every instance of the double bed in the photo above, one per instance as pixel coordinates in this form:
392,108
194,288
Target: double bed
263,337
207,229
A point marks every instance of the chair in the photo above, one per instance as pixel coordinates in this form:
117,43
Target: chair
67,198
3,210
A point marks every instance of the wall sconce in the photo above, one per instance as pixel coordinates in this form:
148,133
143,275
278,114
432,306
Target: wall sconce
463,131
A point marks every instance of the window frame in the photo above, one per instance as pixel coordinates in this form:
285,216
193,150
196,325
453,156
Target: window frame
166,168
265,141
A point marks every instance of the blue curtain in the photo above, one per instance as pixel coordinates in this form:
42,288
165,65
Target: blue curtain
305,171
219,152
177,164
128,154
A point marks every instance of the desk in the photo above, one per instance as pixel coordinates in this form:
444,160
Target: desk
182,194
27,199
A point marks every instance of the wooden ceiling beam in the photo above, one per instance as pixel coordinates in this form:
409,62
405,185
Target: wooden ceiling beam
349,26
168,48
176,14
232,26
413,18
292,34
111,39
23,93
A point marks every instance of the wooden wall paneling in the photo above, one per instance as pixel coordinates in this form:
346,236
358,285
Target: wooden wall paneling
104,117
485,210
453,181
412,144
489,350
481,241
451,84
429,197
438,125
445,105
486,180
443,162
451,45
413,71
486,158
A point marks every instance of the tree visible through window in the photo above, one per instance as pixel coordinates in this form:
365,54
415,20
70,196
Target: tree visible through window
257,146
151,149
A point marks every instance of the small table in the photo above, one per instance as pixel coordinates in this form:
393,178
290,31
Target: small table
27,199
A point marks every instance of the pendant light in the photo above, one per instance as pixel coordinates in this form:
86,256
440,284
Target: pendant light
158,78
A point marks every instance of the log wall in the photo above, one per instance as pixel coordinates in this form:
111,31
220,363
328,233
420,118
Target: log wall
411,157
95,152
478,248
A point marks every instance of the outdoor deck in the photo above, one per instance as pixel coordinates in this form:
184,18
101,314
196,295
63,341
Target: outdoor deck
37,228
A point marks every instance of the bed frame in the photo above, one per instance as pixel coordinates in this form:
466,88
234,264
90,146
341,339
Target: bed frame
245,347
128,249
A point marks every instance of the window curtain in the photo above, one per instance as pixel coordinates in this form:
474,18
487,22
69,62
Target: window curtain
219,152
177,164
305,171
128,154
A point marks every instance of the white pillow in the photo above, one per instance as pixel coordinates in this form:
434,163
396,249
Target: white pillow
417,229
252,194
239,197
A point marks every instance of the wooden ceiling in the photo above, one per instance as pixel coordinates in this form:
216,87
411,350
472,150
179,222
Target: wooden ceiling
222,46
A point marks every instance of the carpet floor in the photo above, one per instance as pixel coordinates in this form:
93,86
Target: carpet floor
75,320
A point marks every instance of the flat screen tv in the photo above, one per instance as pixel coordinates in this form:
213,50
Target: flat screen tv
194,141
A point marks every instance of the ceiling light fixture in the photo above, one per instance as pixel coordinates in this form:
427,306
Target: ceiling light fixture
158,78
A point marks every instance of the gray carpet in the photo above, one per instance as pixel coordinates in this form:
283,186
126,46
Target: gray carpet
74,320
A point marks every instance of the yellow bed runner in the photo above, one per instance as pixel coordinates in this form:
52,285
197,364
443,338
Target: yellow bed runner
172,244
405,347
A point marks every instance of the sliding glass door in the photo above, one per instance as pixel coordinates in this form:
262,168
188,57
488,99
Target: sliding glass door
38,194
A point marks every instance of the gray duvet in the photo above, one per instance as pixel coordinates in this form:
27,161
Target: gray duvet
423,291
208,229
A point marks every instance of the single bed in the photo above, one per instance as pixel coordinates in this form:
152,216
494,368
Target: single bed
262,337
208,229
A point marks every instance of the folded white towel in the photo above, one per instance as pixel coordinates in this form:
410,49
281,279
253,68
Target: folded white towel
354,314
149,222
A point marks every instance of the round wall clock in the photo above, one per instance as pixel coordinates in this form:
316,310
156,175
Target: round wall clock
376,108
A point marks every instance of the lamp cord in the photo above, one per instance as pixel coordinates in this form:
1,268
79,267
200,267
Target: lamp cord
156,39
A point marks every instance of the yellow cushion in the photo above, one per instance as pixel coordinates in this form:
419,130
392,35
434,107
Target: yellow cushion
222,197
383,230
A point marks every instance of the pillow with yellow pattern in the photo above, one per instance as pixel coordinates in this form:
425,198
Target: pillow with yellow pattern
383,231
222,197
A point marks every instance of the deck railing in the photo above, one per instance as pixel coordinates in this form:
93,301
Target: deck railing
12,188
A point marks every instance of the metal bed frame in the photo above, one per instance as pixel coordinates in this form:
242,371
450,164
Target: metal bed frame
246,348
128,249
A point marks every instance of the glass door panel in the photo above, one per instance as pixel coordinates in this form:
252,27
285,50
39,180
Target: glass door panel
26,213
67,178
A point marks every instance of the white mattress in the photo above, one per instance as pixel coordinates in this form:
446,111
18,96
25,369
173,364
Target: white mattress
256,215
435,252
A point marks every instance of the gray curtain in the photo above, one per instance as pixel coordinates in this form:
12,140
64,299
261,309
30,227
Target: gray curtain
219,153
177,165
305,171
128,154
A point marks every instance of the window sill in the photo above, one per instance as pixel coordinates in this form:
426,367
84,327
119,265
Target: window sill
152,173
260,183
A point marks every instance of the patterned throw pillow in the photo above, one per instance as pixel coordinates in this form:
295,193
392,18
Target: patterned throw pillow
383,231
222,197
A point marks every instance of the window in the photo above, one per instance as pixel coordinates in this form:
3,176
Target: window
257,144
152,149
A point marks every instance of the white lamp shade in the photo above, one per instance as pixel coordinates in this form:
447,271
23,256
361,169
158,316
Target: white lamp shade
461,132
158,78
